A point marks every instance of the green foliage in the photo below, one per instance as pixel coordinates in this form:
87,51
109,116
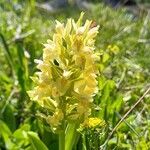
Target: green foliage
37,144
22,138
124,76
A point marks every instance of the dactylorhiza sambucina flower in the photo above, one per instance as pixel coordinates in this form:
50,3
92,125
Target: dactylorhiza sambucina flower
66,82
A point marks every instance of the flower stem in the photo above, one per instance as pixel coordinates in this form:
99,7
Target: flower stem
71,136
62,140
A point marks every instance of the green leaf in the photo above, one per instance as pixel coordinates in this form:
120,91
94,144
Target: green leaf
4,130
105,57
37,144
7,52
21,133
71,136
6,134
9,117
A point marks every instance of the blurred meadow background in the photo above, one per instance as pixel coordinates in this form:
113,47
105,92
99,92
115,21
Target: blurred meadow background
124,46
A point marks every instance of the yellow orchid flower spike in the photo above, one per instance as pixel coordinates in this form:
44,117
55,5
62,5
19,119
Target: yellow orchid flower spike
66,81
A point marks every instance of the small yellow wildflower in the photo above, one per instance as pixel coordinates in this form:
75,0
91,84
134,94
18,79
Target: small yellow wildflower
109,46
114,48
93,123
